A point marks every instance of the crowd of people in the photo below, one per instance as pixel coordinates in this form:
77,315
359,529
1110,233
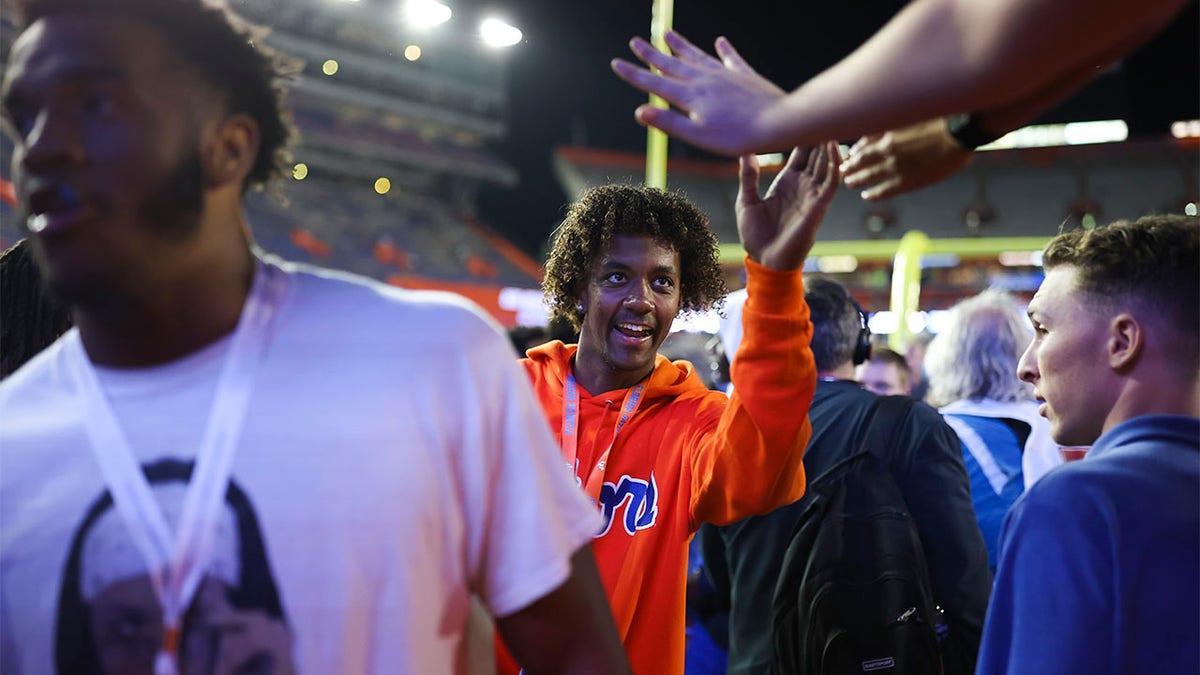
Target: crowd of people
214,460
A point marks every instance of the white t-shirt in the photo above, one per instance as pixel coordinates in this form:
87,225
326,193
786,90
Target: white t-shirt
393,463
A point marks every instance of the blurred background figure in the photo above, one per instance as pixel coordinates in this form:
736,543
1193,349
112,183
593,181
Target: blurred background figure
743,561
972,369
525,338
914,355
885,373
29,318
730,333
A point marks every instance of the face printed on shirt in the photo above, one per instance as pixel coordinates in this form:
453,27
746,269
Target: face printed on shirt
109,602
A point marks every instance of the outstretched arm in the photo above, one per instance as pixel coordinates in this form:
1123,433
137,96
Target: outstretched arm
749,459
902,160
934,58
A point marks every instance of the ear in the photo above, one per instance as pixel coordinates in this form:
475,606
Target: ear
231,152
1126,342
581,293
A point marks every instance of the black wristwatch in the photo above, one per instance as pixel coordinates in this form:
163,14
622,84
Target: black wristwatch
965,129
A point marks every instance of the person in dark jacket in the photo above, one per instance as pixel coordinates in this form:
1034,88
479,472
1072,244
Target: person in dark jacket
744,559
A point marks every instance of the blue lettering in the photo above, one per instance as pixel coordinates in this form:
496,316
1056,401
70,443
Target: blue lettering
642,510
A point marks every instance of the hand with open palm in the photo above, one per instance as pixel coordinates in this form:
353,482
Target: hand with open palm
779,229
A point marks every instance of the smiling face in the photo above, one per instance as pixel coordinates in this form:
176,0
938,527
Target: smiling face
1067,361
106,129
631,298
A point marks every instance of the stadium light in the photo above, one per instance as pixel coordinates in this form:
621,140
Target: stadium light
426,13
884,322
1101,131
498,33
1185,128
1072,133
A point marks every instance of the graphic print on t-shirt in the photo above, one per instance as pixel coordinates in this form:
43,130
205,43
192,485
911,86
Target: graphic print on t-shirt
109,620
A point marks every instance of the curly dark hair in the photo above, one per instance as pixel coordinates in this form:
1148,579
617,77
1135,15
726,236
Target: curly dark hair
609,210
224,49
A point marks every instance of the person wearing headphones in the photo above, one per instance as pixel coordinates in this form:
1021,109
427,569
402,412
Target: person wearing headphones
744,560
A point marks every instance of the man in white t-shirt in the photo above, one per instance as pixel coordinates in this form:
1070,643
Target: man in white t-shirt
234,464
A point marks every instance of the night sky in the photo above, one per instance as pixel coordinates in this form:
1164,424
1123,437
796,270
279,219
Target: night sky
565,94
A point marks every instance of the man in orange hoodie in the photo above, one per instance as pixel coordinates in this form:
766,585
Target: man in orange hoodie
657,452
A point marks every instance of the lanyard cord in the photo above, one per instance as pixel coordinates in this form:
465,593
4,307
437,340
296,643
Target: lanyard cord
176,568
570,433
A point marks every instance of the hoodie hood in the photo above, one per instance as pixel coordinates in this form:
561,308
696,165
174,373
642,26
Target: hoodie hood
548,365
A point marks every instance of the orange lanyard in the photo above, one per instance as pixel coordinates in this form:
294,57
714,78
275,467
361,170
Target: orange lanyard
570,433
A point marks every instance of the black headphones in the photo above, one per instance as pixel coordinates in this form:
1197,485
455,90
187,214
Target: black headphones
862,344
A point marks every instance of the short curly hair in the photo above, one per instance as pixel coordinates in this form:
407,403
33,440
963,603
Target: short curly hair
633,210
1152,262
225,50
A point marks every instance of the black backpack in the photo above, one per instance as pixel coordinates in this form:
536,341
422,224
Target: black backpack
853,594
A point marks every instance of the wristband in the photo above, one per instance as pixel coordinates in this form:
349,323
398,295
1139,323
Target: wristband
965,129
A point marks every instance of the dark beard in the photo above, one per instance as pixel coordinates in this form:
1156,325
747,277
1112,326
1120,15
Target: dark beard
174,210
176,207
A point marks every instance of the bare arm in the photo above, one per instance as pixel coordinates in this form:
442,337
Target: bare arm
934,58
902,160
571,630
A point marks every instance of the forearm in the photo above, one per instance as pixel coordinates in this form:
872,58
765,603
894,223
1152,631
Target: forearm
753,461
774,362
571,630
938,57
1007,117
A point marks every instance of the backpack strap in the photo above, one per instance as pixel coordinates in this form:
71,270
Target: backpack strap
883,418
888,414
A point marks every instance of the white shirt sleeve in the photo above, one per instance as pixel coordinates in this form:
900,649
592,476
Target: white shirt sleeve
525,515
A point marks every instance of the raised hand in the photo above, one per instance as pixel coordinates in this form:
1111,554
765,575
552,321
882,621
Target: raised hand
778,230
902,160
720,101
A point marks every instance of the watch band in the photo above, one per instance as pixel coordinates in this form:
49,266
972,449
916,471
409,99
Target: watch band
965,129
